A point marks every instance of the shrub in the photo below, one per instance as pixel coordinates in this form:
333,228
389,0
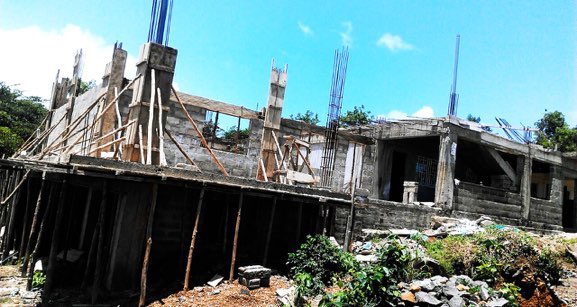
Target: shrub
316,262
38,279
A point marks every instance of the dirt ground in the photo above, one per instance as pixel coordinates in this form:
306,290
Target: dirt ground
13,288
226,294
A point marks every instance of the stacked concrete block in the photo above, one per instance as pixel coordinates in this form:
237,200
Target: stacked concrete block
254,276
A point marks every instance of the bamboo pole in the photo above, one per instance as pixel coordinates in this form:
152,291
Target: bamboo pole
235,240
99,138
143,275
118,118
32,136
150,118
16,188
193,239
110,105
269,232
33,226
36,251
107,144
162,157
186,156
100,250
51,269
140,146
200,136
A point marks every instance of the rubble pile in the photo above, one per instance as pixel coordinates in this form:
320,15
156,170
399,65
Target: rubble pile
457,291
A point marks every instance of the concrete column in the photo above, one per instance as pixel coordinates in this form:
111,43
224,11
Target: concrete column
163,60
525,185
446,170
557,182
113,78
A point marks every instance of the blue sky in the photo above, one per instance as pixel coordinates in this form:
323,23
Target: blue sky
517,58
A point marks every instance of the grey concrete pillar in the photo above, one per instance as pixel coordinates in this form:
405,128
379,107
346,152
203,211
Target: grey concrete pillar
525,188
557,182
446,170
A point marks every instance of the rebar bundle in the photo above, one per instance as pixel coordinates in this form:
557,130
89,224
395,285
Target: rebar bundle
335,103
160,18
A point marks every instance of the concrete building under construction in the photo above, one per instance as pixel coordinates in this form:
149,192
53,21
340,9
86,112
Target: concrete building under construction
129,187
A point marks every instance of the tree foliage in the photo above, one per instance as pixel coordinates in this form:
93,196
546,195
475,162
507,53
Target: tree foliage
19,117
477,120
555,132
357,117
308,117
86,86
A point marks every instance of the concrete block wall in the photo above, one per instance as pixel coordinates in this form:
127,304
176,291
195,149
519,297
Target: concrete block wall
369,171
486,201
545,211
380,214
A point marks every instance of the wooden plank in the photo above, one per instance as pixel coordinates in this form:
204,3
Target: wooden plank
235,240
51,269
144,272
150,118
193,239
33,226
182,151
162,156
216,106
200,136
299,177
269,232
505,166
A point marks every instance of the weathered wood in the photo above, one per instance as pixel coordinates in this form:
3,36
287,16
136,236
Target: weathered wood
115,131
87,206
12,221
213,135
269,232
144,272
100,249
41,231
162,157
25,219
200,136
235,240
51,269
33,226
263,168
90,258
193,239
7,199
5,220
186,156
141,148
32,136
118,119
150,117
107,144
299,223
217,106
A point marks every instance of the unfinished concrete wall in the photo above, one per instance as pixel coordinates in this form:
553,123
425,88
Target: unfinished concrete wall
380,214
485,200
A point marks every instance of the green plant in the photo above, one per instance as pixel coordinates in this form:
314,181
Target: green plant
38,279
316,262
549,267
231,133
510,292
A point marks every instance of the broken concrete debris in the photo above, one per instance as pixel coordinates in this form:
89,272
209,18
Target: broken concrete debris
254,276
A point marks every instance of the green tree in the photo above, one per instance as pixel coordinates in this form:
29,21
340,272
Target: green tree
308,117
85,86
477,120
19,117
230,134
555,132
357,117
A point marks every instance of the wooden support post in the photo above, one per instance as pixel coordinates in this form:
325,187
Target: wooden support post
186,156
100,249
213,134
235,240
150,118
299,223
85,218
225,233
162,157
140,145
200,136
90,259
12,221
269,232
51,269
36,251
144,273
33,226
25,219
350,222
7,199
193,239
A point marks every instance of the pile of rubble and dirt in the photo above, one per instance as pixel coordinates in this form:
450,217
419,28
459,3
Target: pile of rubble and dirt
13,288
228,294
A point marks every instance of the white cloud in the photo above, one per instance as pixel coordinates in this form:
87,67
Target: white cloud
394,43
37,54
307,31
346,36
425,111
